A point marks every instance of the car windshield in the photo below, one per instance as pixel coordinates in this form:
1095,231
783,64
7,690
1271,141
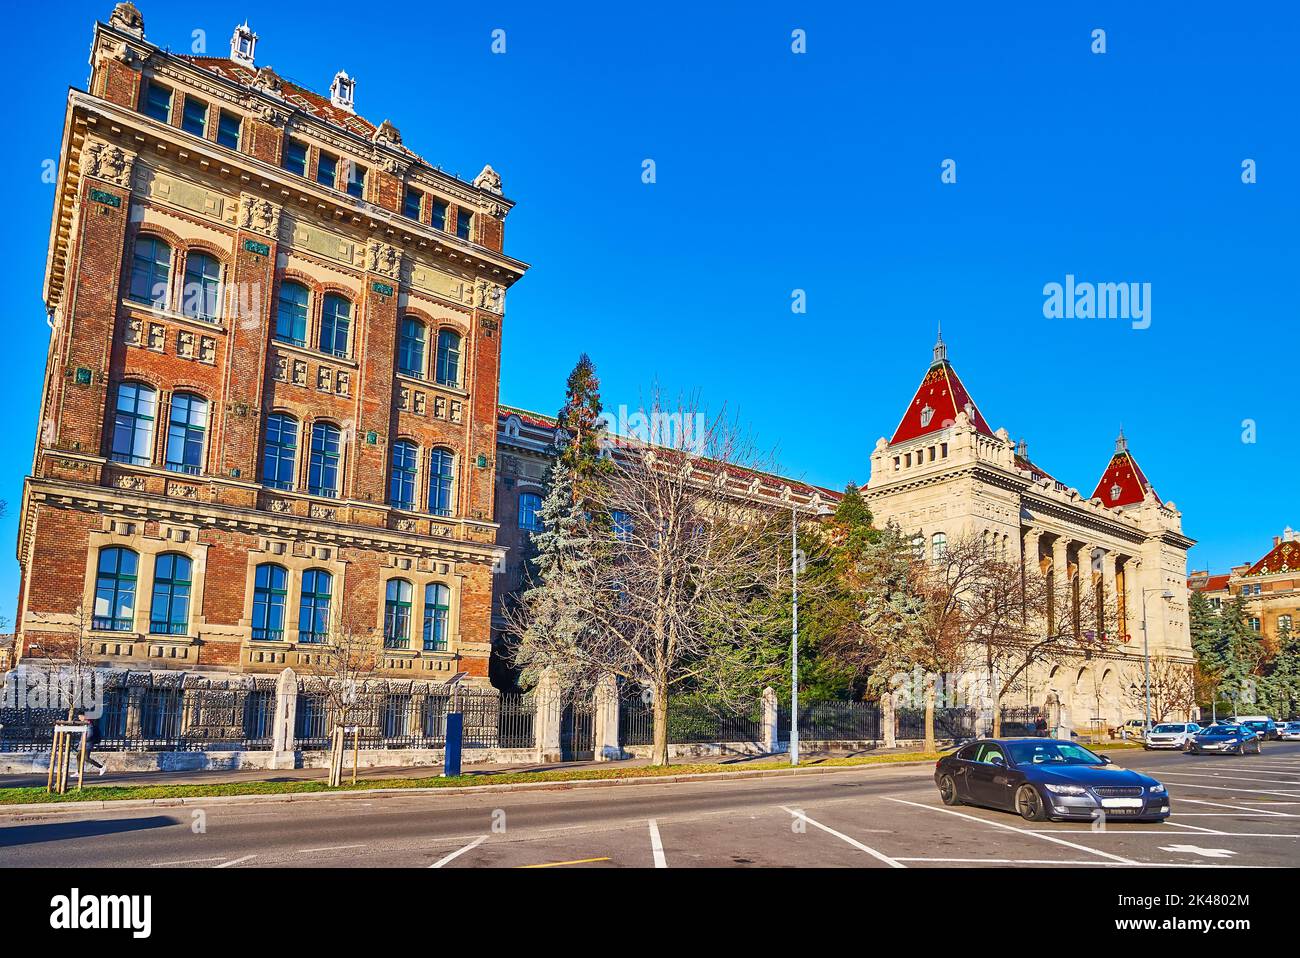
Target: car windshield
1221,729
1255,724
1168,728
1050,753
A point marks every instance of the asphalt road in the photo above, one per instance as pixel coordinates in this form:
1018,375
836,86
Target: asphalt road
1228,811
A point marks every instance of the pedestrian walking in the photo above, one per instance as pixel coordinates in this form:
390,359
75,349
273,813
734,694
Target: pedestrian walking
92,736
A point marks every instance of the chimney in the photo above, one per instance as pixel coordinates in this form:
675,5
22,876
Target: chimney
243,44
1277,541
343,91
1288,534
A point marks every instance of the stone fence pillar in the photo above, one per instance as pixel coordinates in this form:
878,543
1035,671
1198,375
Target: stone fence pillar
605,720
549,711
771,734
283,746
888,723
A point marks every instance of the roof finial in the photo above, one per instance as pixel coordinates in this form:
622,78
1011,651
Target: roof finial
1121,444
940,347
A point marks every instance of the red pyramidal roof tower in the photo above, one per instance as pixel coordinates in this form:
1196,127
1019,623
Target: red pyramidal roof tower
1123,483
938,399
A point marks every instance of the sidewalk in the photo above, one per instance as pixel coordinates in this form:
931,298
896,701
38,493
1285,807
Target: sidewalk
227,776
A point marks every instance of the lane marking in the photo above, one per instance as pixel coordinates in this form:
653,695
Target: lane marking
1198,801
1198,850
576,861
1195,828
1121,833
234,861
1053,861
458,852
1022,831
1237,778
881,856
657,845
187,861
327,848
1230,788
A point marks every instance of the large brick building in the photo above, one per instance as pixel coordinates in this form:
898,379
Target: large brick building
270,404
1269,587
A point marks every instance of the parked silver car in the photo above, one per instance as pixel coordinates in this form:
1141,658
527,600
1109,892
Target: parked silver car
1170,735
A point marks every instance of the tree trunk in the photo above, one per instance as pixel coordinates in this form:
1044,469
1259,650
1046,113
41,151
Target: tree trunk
659,753
929,717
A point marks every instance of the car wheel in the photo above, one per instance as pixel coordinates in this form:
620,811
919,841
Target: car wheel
1030,804
948,791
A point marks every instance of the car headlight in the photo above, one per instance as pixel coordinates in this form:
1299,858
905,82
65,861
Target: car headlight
1067,789
1156,789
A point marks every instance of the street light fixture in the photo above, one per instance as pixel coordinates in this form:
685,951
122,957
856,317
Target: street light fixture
1165,594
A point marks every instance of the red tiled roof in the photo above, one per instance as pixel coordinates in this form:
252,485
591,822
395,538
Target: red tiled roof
1038,472
1123,483
1283,557
1213,583
938,399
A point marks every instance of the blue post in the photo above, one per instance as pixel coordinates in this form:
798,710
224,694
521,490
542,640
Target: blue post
451,753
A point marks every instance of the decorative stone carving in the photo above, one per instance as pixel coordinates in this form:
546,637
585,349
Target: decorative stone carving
107,162
184,344
489,180
178,490
419,403
343,383
406,525
404,397
323,512
455,410
281,373
324,380
207,349
383,259
157,337
258,215
266,81
489,296
387,133
440,407
280,505
299,373
130,483
134,334
128,19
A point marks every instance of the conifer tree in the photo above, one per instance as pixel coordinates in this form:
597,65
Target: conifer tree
583,428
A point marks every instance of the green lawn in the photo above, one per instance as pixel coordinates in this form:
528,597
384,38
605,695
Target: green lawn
108,793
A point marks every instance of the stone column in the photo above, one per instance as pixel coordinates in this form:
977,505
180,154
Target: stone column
1061,585
1109,594
771,734
888,727
283,752
605,708
1029,549
547,722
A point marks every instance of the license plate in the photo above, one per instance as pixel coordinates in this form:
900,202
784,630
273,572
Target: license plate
1121,803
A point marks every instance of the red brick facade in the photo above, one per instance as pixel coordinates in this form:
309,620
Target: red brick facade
136,190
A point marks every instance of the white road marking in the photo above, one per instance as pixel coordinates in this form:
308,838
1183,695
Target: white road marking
657,845
1198,801
1067,862
458,852
1228,788
1236,778
234,861
187,861
1198,850
1195,828
879,856
1022,831
327,848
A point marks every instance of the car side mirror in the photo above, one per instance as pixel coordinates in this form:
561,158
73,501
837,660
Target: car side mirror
998,760
1105,759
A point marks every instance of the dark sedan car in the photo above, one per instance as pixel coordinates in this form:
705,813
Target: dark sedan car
1047,779
1226,737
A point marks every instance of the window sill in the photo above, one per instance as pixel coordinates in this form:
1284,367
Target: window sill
170,315
457,391
314,354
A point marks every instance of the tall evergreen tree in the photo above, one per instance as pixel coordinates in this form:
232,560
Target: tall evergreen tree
584,428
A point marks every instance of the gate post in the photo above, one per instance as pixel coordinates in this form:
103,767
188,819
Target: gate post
605,706
771,734
888,724
286,717
549,705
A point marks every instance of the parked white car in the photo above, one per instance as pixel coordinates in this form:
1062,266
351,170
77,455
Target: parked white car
1291,731
1170,735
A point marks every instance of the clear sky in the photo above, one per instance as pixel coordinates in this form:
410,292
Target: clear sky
821,172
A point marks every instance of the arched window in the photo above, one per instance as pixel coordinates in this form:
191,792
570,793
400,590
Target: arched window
169,612
938,545
401,490
397,614
115,590
410,348
151,266
323,466
530,507
441,463
437,605
336,320
137,406
918,546
270,589
448,365
202,294
314,611
281,451
291,314
185,433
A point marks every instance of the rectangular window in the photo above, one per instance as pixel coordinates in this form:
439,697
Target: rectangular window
228,127
411,205
157,102
295,157
438,210
194,118
463,218
357,180
327,170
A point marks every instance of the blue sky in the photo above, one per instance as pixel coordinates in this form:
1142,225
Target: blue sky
821,172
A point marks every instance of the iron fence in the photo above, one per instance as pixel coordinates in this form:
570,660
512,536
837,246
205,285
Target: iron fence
949,723
695,719
832,721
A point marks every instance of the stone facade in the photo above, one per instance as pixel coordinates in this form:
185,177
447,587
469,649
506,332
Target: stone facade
946,474
1269,587
228,242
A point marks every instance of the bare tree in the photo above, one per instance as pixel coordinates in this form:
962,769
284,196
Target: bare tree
666,578
1173,690
340,667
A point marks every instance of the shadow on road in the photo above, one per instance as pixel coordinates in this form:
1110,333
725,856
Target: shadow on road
60,831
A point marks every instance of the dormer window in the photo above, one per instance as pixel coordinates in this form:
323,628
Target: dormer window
1115,491
243,44
342,91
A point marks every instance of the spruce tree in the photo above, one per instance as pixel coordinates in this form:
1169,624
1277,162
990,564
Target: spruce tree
584,428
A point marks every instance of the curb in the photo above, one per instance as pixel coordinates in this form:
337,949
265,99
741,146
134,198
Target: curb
178,802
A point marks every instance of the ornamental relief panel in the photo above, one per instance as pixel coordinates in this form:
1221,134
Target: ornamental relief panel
383,259
108,162
259,215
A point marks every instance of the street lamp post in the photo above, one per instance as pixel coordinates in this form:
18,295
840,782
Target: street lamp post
794,636
1146,655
